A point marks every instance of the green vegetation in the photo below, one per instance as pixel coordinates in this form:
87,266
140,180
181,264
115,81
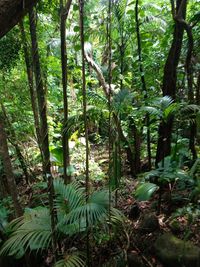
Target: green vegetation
100,133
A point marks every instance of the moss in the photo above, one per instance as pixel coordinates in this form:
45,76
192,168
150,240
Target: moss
175,252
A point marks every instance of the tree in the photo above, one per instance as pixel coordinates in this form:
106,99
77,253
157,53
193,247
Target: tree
8,168
42,107
11,12
169,86
63,18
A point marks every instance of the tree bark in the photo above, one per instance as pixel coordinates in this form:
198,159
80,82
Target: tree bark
169,80
8,168
11,12
13,140
29,70
42,107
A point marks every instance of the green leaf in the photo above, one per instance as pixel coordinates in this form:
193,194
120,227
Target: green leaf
75,7
70,170
76,28
77,48
145,191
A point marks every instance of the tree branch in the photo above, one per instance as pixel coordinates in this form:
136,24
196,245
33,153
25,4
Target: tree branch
98,71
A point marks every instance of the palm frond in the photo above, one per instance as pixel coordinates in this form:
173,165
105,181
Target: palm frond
170,110
121,100
71,260
96,98
165,102
151,110
76,121
100,198
94,211
191,108
68,197
31,231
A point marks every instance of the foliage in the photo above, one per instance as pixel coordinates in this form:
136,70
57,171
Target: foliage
70,260
9,50
33,230
145,191
167,172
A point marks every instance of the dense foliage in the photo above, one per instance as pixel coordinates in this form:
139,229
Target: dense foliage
96,107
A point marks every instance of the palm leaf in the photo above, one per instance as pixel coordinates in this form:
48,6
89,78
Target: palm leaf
31,231
68,197
71,260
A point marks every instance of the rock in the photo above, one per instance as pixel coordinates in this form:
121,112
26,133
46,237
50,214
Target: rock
149,223
174,252
134,260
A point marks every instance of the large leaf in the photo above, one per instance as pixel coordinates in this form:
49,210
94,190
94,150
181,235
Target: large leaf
145,191
31,231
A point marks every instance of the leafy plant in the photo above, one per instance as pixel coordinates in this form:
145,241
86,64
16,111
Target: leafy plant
145,191
167,173
33,230
71,260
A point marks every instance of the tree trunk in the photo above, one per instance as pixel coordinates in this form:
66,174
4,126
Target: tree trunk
169,81
13,140
8,168
63,18
42,107
11,12
144,88
29,70
189,71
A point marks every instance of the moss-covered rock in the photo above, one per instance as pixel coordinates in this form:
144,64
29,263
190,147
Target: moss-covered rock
174,252
149,223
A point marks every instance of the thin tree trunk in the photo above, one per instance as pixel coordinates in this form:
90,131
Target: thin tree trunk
198,103
84,94
189,72
63,18
42,106
8,168
169,80
29,70
198,90
13,140
141,68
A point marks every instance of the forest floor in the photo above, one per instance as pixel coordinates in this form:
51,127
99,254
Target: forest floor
144,223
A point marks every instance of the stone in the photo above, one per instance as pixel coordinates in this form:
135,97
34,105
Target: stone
174,252
149,223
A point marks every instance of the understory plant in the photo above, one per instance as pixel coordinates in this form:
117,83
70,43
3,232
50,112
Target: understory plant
165,176
75,217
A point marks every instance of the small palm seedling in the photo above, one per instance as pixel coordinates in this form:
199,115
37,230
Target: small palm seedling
32,231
